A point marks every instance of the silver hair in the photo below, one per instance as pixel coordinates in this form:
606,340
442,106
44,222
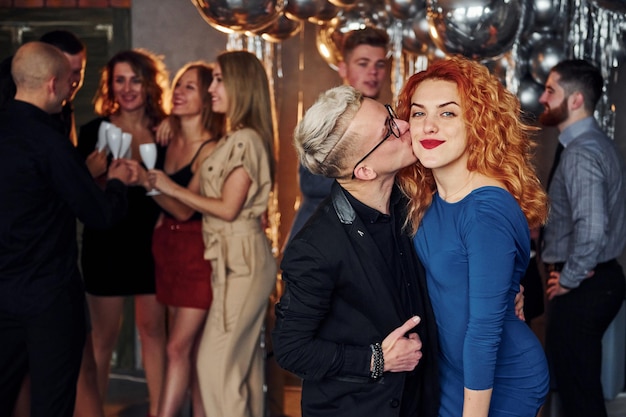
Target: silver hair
318,136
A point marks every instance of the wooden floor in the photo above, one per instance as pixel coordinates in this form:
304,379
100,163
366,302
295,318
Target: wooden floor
128,398
128,395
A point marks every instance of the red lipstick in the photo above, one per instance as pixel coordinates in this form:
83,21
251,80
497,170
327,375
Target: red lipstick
430,143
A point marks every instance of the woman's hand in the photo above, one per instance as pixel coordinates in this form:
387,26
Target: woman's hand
519,304
142,178
163,132
161,181
125,170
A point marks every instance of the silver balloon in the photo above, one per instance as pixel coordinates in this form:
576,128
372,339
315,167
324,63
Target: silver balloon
434,53
377,11
324,13
415,37
237,16
329,37
304,9
528,93
618,46
618,6
406,9
283,28
344,3
545,54
548,15
477,29
506,68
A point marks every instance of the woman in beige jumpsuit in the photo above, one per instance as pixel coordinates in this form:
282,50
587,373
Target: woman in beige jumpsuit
232,190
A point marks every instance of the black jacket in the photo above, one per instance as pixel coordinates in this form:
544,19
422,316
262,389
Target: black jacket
339,298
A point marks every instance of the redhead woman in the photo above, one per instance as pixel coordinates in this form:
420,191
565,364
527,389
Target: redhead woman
474,196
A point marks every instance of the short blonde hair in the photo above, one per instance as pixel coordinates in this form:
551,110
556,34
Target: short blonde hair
318,136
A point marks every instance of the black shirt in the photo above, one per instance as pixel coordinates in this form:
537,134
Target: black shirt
386,231
44,186
397,250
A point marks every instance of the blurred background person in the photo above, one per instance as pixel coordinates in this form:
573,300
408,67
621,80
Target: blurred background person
118,262
45,295
88,401
233,193
76,52
585,233
183,276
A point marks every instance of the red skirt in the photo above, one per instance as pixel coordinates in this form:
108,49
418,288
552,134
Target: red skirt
183,276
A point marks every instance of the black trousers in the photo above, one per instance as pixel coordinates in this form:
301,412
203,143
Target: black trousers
575,327
48,346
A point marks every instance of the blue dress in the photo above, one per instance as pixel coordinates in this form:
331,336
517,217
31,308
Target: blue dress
475,251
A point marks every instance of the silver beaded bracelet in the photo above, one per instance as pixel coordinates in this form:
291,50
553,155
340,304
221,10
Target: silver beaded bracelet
379,361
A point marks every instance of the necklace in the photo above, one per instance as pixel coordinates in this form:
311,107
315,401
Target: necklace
449,197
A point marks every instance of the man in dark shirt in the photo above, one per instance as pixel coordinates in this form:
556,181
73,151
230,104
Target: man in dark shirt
76,52
44,186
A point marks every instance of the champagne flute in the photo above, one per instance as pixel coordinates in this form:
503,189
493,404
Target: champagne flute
102,135
114,140
148,152
125,151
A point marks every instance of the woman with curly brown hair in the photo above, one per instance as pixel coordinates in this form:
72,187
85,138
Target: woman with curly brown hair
118,262
474,195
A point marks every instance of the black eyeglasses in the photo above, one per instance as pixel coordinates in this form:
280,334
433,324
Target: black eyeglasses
393,130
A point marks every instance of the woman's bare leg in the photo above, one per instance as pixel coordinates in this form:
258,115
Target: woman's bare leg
186,326
106,320
89,403
150,321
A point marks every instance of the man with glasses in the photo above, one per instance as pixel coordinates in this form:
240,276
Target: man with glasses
364,67
355,322
393,130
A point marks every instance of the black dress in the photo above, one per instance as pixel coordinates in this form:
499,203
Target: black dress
118,261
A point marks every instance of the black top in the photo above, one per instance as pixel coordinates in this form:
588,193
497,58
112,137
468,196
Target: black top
184,175
386,230
118,261
44,187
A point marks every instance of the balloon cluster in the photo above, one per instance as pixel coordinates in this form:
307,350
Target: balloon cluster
520,40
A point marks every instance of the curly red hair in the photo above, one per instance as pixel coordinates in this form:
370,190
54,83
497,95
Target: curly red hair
498,139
